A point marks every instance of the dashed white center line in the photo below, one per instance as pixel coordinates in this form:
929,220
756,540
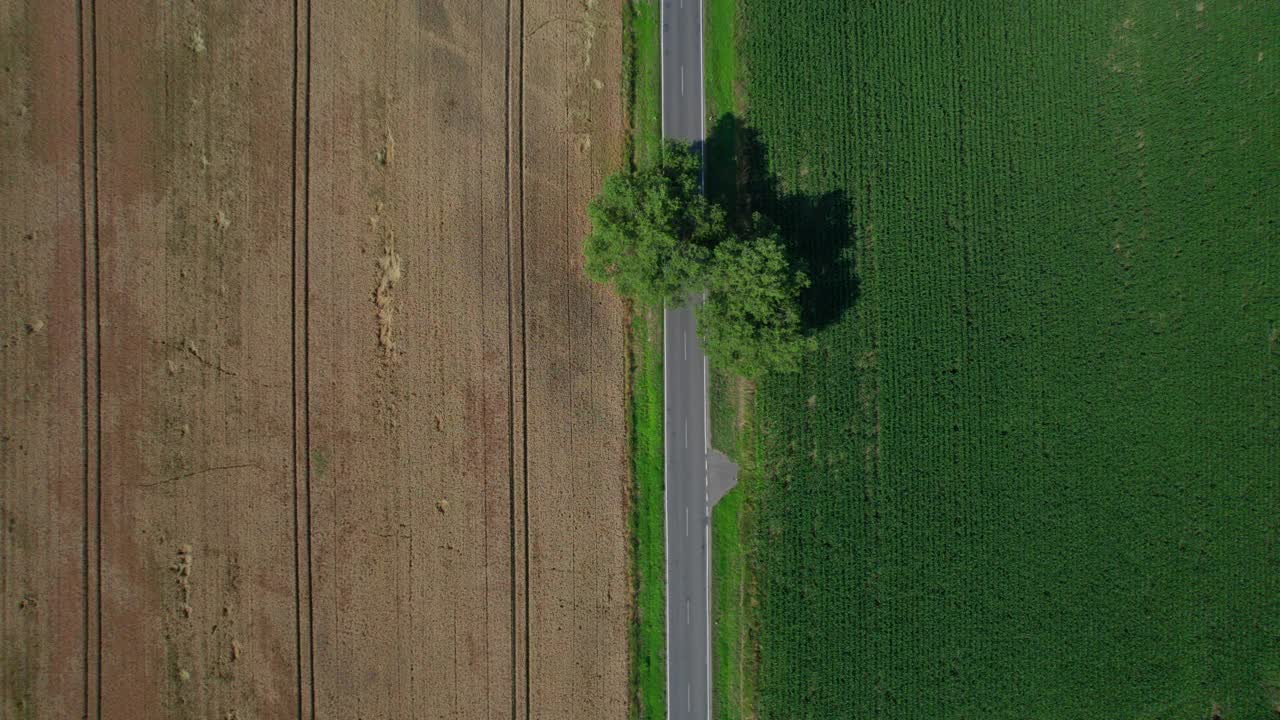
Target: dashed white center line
686,432
681,81
686,522
686,346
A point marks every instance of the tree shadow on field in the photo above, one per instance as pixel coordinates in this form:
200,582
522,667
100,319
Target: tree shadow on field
816,228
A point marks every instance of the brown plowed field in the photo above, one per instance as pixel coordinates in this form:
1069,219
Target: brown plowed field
308,410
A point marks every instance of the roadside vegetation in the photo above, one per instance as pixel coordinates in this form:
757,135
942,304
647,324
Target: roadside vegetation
749,322
642,80
657,238
732,646
642,66
1029,470
647,524
653,231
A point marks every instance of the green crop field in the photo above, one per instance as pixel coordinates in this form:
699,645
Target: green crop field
1033,470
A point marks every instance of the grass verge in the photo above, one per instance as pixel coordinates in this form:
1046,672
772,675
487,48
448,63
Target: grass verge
648,632
732,688
720,67
643,81
720,57
727,606
733,647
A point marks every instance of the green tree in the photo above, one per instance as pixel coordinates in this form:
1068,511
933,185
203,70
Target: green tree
750,322
652,230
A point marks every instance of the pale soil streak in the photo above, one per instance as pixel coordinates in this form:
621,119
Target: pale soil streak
197,583
42,510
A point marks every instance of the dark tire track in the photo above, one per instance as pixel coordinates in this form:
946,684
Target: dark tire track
301,379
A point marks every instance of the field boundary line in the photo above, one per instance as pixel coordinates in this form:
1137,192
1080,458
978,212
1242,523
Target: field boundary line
300,361
524,380
517,380
91,357
511,382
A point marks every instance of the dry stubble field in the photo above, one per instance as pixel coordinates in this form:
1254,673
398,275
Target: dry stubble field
307,409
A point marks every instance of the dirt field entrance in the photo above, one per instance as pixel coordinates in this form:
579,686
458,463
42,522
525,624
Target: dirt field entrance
308,410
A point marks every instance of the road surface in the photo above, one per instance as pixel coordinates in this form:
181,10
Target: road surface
688,489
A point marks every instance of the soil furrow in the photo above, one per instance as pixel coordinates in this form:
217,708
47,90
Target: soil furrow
304,647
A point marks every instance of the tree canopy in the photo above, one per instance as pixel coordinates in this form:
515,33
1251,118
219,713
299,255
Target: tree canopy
657,239
652,230
750,322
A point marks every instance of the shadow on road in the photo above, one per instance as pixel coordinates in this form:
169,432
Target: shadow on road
817,228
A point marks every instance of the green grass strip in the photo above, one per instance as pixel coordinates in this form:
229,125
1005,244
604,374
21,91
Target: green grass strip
642,71
648,642
643,74
727,598
720,58
645,81
720,68
732,686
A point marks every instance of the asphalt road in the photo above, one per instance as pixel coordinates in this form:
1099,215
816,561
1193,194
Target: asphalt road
687,440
